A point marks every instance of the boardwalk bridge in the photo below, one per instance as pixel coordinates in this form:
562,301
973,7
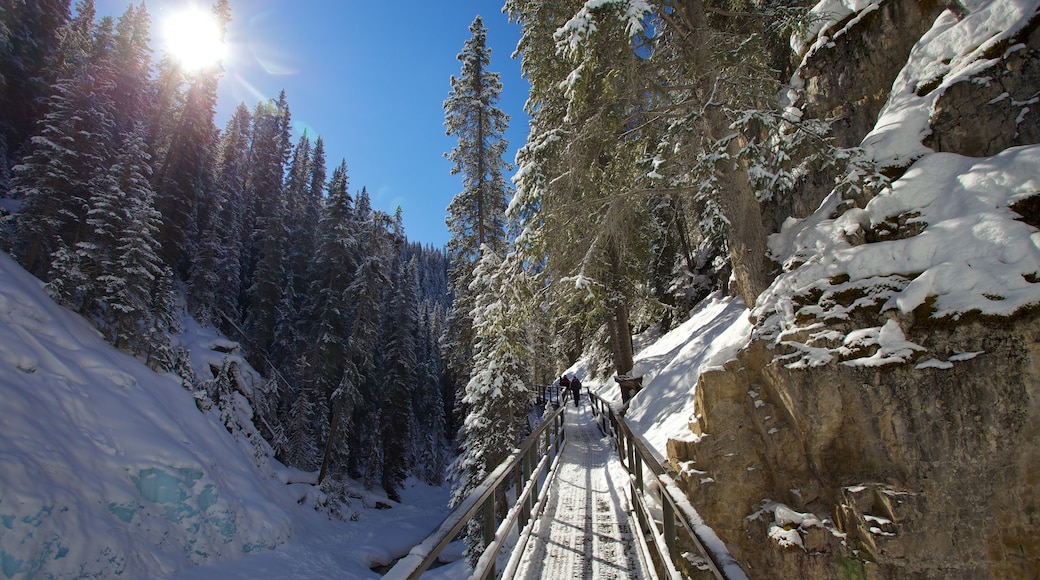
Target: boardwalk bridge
581,497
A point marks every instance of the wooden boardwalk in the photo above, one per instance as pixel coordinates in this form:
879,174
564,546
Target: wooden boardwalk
584,530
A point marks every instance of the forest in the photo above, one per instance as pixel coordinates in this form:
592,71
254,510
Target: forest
136,210
384,359
858,177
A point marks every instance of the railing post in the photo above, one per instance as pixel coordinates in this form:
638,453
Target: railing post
530,457
489,528
668,523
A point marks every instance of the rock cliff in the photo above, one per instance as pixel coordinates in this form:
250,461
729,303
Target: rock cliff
885,420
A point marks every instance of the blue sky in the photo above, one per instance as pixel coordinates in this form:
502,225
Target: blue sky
371,79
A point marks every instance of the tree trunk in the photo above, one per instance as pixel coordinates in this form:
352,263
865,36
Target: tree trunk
745,233
333,431
617,318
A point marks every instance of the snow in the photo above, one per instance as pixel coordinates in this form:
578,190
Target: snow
109,469
948,53
670,367
587,493
966,251
971,255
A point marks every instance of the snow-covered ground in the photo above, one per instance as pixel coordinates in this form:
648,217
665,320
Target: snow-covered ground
670,366
109,469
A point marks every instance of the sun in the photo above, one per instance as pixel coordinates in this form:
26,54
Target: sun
193,37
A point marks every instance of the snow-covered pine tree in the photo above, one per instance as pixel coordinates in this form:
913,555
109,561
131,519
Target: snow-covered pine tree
400,377
301,440
187,139
224,282
497,395
723,139
267,294
476,215
304,189
68,159
270,148
328,318
30,37
132,76
367,290
266,264
136,288
430,445
581,152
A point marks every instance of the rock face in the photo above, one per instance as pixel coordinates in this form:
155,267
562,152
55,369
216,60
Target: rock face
840,471
997,109
849,84
914,473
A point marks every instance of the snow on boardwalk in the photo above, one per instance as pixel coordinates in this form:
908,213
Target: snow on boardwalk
584,530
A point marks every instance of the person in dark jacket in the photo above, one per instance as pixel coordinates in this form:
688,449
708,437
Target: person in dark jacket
576,389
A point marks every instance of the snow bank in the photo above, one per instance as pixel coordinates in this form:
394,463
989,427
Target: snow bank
107,468
671,365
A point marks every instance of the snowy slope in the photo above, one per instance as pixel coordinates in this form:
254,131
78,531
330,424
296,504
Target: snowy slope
671,365
108,469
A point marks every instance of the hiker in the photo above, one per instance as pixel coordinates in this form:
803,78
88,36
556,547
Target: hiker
563,383
576,389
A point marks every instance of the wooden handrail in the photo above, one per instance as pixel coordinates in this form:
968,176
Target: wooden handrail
531,459
678,515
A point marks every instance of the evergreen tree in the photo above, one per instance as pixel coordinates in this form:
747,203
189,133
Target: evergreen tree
223,280
269,152
497,395
30,37
136,287
476,216
430,444
68,160
365,339
400,379
304,190
580,154
328,320
132,73
302,449
184,175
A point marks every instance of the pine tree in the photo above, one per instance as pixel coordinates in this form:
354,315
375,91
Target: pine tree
224,278
68,160
580,154
304,189
430,445
132,75
302,450
136,287
185,148
497,395
265,205
476,215
30,37
400,379
365,338
328,320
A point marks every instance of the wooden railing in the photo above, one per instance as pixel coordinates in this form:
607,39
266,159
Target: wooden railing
531,465
678,530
